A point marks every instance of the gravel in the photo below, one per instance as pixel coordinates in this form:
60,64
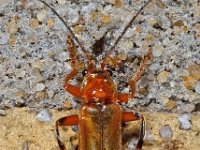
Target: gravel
44,116
166,132
185,121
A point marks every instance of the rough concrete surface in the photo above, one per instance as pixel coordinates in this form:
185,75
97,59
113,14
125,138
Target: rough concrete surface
34,62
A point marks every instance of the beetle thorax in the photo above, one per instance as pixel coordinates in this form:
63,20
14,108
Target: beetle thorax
98,88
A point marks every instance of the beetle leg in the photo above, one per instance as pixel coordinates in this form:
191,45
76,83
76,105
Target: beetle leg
124,97
131,116
65,121
74,63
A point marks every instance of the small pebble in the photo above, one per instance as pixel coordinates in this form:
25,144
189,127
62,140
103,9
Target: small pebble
41,15
93,16
187,108
50,23
132,143
157,52
184,121
160,4
194,71
18,102
166,132
130,32
105,18
50,93
39,87
152,21
51,54
12,27
68,104
162,77
33,23
178,23
126,45
25,145
170,105
79,28
122,56
149,37
32,39
63,56
40,95
35,72
117,3
2,112
189,82
12,41
149,137
61,2
22,51
143,91
21,94
38,64
20,73
44,116
197,87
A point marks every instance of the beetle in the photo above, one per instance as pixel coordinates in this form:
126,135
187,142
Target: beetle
100,117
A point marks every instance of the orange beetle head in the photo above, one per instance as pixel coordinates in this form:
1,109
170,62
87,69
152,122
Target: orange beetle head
98,88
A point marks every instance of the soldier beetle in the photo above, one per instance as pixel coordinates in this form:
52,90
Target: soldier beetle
100,117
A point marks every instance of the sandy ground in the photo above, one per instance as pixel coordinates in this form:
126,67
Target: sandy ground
20,128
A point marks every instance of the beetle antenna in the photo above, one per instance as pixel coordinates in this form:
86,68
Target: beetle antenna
122,34
69,29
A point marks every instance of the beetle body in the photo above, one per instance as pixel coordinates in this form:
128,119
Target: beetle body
100,127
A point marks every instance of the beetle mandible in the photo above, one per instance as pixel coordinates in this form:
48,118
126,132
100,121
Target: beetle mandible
100,117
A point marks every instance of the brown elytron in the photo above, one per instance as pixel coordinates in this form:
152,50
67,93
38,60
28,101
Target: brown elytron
100,116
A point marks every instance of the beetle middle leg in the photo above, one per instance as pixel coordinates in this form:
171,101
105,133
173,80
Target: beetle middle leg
131,116
65,121
124,97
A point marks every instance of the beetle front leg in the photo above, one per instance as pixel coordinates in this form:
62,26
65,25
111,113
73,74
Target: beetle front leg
124,97
131,116
74,63
65,121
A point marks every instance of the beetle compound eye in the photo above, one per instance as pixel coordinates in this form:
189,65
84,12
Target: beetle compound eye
84,72
110,72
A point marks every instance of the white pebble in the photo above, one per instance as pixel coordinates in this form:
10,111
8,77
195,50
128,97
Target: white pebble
149,137
39,87
132,143
50,93
185,121
197,88
44,116
20,73
187,108
61,2
2,112
41,15
63,56
166,132
157,52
